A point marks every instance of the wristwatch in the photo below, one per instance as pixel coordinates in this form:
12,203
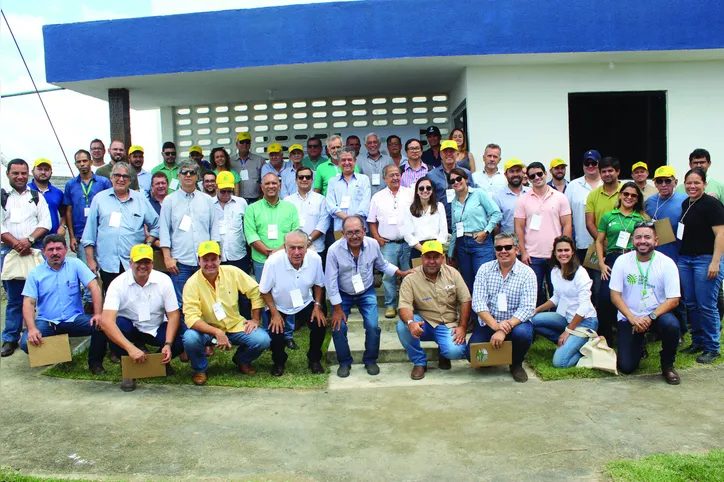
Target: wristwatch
409,321
318,303
31,239
168,343
653,316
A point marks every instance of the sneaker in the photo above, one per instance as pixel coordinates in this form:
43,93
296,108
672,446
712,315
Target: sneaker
372,369
691,350
518,373
708,357
128,384
343,371
390,312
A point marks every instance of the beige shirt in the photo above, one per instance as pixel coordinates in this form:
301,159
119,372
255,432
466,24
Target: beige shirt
435,301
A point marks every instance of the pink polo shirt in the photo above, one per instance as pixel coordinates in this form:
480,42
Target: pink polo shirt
539,243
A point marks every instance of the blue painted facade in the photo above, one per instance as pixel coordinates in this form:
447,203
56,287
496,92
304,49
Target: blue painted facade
370,30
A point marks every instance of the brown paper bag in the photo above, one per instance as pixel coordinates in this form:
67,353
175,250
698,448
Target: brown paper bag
152,367
54,349
591,260
664,231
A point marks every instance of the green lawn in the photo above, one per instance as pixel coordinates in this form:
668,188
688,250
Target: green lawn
670,468
222,371
9,475
541,353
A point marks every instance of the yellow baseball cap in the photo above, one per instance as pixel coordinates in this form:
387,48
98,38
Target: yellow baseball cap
432,246
195,148
665,171
275,147
133,149
42,160
449,144
512,163
141,251
639,164
243,136
295,147
208,247
558,162
225,180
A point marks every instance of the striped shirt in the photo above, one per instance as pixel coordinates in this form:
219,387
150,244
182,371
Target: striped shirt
409,175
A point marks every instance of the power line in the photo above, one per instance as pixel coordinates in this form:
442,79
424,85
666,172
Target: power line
37,91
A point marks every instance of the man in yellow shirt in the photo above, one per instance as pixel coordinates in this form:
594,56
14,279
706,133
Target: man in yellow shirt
211,312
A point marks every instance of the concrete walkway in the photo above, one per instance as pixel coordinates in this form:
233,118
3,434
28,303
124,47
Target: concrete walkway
492,429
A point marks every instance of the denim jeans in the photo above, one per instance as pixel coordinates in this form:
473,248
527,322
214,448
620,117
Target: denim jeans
81,256
288,320
441,334
179,280
607,312
470,255
700,296
630,344
399,255
14,307
521,336
251,346
316,337
542,269
137,337
79,327
244,304
367,304
551,325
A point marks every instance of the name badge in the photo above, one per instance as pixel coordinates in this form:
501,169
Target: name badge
502,302
344,204
174,184
13,216
535,221
222,227
392,220
357,283
144,311
648,300
244,175
115,220
185,223
375,179
219,311
272,232
459,229
86,212
296,296
562,307
622,241
680,231
449,195
301,223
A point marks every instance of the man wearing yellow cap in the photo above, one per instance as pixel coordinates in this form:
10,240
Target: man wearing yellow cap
134,309
211,312
276,164
248,165
429,301
42,172
197,154
490,178
558,175
135,159
289,176
507,198
230,211
314,153
640,173
440,177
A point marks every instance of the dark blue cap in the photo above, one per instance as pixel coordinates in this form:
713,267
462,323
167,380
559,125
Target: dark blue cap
592,154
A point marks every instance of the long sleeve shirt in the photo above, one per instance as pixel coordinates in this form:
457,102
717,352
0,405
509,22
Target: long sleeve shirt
184,235
351,197
426,227
477,213
231,228
519,286
443,189
21,216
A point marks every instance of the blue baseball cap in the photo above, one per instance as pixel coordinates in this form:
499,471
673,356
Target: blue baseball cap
592,154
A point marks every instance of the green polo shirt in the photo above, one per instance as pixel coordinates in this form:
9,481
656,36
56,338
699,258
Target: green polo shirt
324,173
170,173
712,186
612,223
307,162
257,218
599,203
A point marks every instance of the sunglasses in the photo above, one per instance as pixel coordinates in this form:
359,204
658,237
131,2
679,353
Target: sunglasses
314,146
244,142
188,172
304,177
502,247
644,224
663,181
169,153
125,177
424,188
226,191
455,180
536,175
590,163
632,195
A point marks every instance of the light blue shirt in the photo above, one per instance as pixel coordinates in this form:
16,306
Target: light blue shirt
356,192
204,225
670,208
289,181
113,244
342,266
506,200
58,293
478,213
371,168
144,181
269,169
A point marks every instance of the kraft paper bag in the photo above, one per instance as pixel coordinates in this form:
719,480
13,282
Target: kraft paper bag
54,349
484,355
664,231
152,367
591,260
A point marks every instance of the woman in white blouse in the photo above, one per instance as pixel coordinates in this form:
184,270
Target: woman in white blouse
572,302
425,219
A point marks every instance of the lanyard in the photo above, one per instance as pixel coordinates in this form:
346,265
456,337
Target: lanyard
657,205
86,193
465,203
687,210
645,276
620,221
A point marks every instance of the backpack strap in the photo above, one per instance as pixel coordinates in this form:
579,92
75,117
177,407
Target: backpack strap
4,198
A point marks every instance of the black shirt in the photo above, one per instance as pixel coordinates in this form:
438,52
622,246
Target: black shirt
699,219
432,161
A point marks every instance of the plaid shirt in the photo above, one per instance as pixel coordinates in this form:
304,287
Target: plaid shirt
520,288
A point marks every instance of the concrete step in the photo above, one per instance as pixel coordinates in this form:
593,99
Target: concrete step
355,323
391,350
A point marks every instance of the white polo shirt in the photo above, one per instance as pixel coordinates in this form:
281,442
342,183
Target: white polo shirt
577,192
388,210
313,215
231,228
125,296
280,278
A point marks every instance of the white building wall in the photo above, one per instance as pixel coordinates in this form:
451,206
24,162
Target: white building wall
525,109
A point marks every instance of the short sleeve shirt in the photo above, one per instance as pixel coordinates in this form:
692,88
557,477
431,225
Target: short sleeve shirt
599,203
705,213
435,301
613,223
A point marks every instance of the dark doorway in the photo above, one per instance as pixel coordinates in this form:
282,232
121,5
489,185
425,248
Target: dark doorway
628,125
460,119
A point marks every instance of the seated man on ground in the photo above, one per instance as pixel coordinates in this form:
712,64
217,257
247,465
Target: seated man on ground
134,309
287,283
211,311
429,300
54,287
645,288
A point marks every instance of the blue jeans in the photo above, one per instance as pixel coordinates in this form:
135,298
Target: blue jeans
521,336
630,344
471,255
135,336
552,325
367,304
542,269
399,255
288,320
79,327
700,296
81,256
179,280
251,346
607,312
14,308
441,334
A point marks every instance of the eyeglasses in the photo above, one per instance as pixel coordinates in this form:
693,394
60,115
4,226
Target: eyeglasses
244,142
314,146
170,153
125,177
304,177
188,172
590,163
413,149
632,195
354,234
424,188
536,175
502,247
455,180
663,181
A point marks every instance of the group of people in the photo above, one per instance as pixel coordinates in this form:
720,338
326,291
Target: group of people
196,256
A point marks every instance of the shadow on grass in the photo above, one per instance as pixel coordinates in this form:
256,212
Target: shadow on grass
541,352
669,468
221,372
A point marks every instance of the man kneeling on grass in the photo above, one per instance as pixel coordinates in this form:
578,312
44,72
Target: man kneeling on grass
211,311
134,309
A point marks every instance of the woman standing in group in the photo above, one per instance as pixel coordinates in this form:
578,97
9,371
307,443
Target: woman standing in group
613,240
464,158
474,216
572,301
425,220
701,231
222,162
